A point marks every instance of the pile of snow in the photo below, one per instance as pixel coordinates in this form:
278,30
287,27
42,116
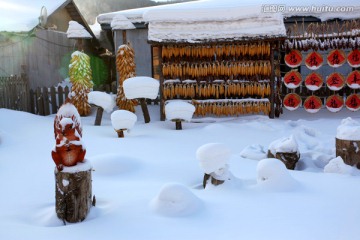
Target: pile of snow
175,200
102,99
255,152
120,22
123,119
272,174
141,87
193,25
77,30
285,144
213,156
337,165
178,109
349,129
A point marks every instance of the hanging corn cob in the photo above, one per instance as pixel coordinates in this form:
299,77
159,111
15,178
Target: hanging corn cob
81,79
125,65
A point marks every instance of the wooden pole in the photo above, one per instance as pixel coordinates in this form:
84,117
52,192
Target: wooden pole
145,110
73,194
120,133
99,114
178,125
272,83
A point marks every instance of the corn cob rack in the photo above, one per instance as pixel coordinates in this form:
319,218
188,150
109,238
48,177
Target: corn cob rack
220,79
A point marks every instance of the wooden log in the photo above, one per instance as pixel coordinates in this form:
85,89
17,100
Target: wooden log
73,194
178,125
288,158
99,114
145,110
349,151
120,133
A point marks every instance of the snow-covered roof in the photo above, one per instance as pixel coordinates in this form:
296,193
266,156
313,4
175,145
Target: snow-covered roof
23,15
77,30
192,21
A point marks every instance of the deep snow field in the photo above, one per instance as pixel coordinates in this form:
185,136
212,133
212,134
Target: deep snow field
148,185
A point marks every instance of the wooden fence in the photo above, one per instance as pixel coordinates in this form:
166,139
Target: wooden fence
14,93
45,101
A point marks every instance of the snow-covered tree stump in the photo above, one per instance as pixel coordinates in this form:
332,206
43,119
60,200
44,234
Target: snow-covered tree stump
213,158
73,193
286,150
348,142
103,102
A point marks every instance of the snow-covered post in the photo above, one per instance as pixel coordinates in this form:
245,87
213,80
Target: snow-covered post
286,150
78,32
122,120
73,184
141,88
213,158
348,142
103,101
179,111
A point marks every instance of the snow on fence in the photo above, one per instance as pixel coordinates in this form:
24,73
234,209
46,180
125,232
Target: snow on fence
14,93
45,101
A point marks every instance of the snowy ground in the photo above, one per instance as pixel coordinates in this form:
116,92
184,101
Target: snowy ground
148,184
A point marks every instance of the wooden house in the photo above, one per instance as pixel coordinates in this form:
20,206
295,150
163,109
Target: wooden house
39,51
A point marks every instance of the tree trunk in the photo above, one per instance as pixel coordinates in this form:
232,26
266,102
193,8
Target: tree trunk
349,151
178,125
288,158
73,192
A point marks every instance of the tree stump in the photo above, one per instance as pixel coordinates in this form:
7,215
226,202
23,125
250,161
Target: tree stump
288,158
178,124
349,151
214,181
145,110
120,133
73,193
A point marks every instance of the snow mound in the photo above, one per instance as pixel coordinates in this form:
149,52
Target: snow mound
123,119
120,22
255,152
175,200
286,144
213,156
112,164
141,87
102,99
77,30
337,165
273,175
349,129
179,110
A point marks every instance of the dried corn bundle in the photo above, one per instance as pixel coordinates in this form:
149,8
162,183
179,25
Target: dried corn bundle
230,108
81,79
125,65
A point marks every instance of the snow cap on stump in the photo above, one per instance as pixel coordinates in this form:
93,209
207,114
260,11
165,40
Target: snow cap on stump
349,129
179,110
77,30
213,156
123,119
102,99
141,87
286,144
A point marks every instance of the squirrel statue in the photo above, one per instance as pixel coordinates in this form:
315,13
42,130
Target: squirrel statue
69,149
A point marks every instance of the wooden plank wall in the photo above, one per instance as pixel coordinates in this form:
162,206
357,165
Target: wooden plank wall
38,56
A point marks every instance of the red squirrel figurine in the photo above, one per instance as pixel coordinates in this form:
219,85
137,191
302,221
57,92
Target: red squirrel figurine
68,150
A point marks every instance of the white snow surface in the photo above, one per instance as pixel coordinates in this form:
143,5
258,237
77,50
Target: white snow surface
349,129
175,200
285,144
120,22
338,166
102,99
213,156
129,173
76,30
178,109
141,87
123,119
